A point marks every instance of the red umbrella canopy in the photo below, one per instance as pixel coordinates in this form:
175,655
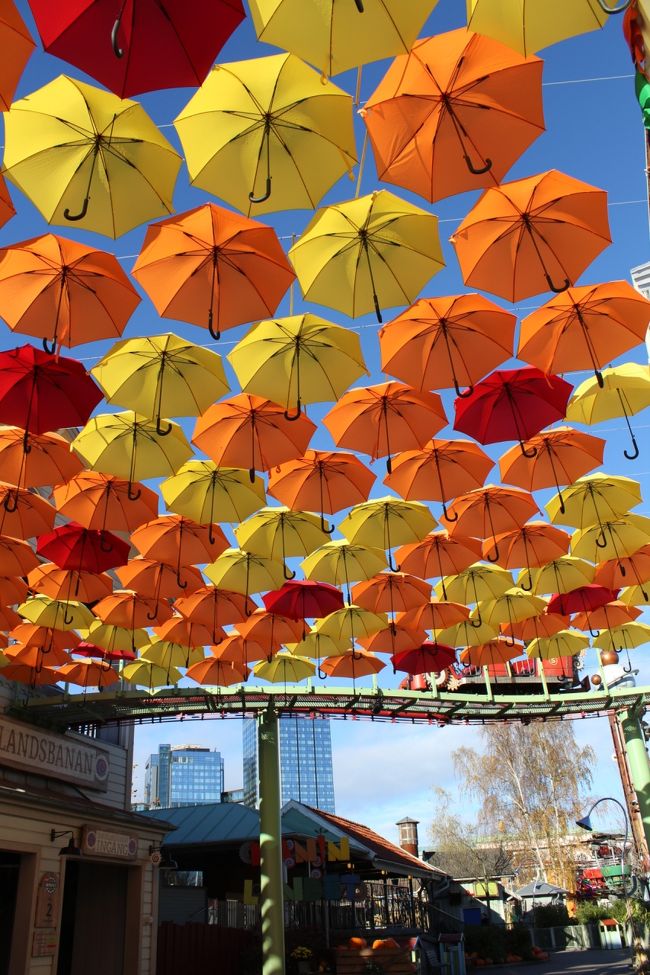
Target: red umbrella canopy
83,549
41,392
304,599
429,658
512,404
581,600
132,46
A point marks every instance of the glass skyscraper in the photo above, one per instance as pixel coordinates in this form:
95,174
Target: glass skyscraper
183,775
306,772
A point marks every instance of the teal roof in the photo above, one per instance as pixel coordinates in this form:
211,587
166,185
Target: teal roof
226,822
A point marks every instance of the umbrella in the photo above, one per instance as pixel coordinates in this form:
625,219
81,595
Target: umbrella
8,618
132,446
533,545
39,392
296,360
334,36
536,627
34,676
239,650
439,555
64,292
478,583
304,599
131,610
318,646
435,615
582,599
64,584
214,607
117,639
213,268
177,629
372,252
17,46
267,134
244,572
530,26
428,658
392,639
251,432
7,210
55,613
625,390
584,328
387,522
154,579
562,575
439,471
512,404
532,235
36,657
373,418
23,514
12,590
161,375
134,46
611,539
178,541
470,632
596,498
45,637
83,549
617,572
150,675
108,167
167,654
101,501
218,673
454,114
351,622
342,562
551,458
625,637
321,480
352,664
284,668
497,651
270,629
606,617
35,459
438,343
17,557
489,511
280,533
391,592
206,493
633,595
511,607
564,643
88,673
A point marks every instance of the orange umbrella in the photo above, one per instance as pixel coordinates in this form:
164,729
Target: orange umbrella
488,511
178,541
154,579
17,557
352,664
440,471
551,458
604,617
32,635
35,656
533,235
36,460
239,650
531,546
64,292
100,501
131,611
438,555
395,638
218,673
321,480
498,651
17,45
212,267
178,629
372,418
34,676
12,590
391,592
584,328
436,615
536,627
215,607
8,618
252,433
66,584
454,114
622,571
454,341
88,673
7,210
271,630
23,514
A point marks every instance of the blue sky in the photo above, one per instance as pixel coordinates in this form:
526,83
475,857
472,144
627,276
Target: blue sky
383,772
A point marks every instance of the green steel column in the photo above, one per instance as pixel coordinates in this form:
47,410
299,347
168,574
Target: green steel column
271,879
639,763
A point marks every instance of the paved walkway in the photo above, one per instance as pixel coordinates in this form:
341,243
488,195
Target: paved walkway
576,963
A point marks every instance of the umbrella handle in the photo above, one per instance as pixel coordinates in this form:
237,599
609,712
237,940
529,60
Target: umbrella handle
389,465
324,528
265,195
151,617
528,453
445,513
104,547
614,10
133,496
636,451
322,674
50,349
493,556
251,475
477,622
529,587
601,541
161,431
359,5
10,502
216,335
599,377
66,620
77,216
478,171
117,50
292,574
296,416
553,287
459,392
182,584
509,641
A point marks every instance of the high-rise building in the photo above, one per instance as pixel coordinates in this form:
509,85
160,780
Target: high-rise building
306,772
183,775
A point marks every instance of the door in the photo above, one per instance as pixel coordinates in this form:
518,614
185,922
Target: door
93,919
9,874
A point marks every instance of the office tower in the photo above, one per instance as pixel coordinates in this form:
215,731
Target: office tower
183,775
306,772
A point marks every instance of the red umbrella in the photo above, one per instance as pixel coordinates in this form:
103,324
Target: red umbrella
83,549
512,404
85,649
304,600
41,392
429,658
132,46
581,600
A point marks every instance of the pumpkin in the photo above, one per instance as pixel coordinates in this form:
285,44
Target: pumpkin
357,943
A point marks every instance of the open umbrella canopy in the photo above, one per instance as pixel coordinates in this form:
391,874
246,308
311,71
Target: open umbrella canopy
341,562
590,500
511,607
65,614
177,629
581,599
435,615
620,391
564,643
611,539
387,522
439,555
350,623
58,583
206,493
624,637
219,673
24,514
352,664
497,651
439,471
17,557
533,545
132,610
428,658
284,668
100,501
178,541
304,599
270,629
561,575
149,675
17,47
246,573
88,673
214,607
321,480
622,570
32,460
157,581
551,458
529,25
73,547
606,617
280,533
391,592
488,511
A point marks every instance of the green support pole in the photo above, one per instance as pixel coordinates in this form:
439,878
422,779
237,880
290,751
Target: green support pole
271,879
639,763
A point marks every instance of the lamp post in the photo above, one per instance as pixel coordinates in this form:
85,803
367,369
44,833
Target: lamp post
585,823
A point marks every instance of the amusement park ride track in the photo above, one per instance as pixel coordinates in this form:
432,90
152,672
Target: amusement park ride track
416,707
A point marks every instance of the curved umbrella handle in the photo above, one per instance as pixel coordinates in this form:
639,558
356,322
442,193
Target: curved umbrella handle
510,641
77,216
528,453
614,10
130,495
50,349
324,528
636,451
601,541
445,514
553,287
480,170
216,335
459,392
322,674
265,195
115,44
493,556
10,502
529,586
211,537
292,574
477,622
296,416
389,464
181,583
161,431
622,569
251,475
359,5
599,377
68,620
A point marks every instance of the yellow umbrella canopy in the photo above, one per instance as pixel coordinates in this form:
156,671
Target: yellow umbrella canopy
624,637
280,533
561,575
337,36
633,595
613,539
387,522
564,643
372,252
529,25
284,668
340,562
467,634
596,498
167,654
350,623
55,613
117,638
89,159
299,359
476,583
131,446
243,572
267,134
625,390
150,675
318,645
512,607
206,493
161,375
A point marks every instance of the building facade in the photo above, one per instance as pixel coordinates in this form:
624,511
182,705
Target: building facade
183,775
306,771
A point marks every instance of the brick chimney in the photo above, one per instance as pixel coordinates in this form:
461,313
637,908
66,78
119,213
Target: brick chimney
408,835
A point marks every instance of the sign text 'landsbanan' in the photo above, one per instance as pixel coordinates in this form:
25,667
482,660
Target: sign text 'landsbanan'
59,756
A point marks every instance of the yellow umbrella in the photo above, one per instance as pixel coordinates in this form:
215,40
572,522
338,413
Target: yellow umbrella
633,596
387,522
476,583
625,391
130,446
244,572
267,134
561,575
116,638
612,539
368,253
87,158
149,675
592,499
55,613
512,607
284,668
206,493
340,562
467,634
161,375
624,637
350,623
300,359
318,645
167,654
280,533
529,25
336,36
564,643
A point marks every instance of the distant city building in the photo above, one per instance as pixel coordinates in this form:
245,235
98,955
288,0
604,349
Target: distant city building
183,775
306,772
233,795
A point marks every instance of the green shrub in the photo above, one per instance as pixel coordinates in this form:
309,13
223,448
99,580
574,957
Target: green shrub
495,941
551,916
588,912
